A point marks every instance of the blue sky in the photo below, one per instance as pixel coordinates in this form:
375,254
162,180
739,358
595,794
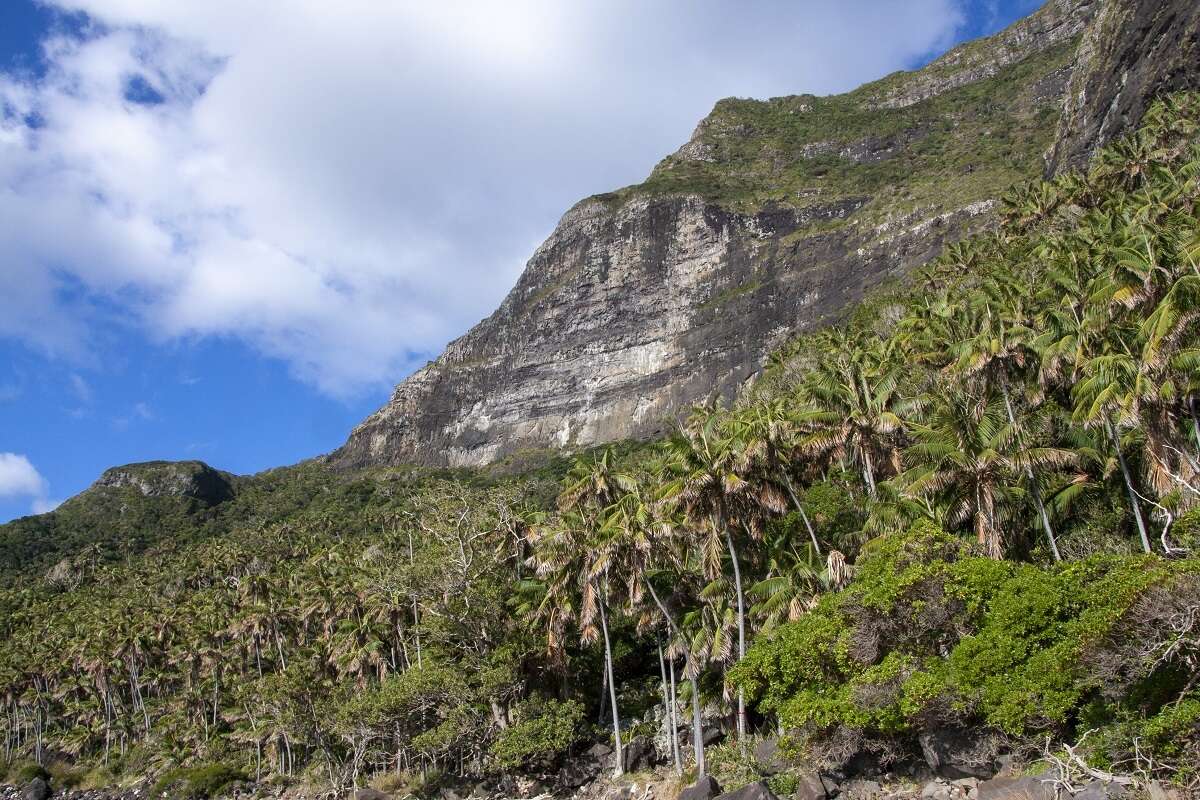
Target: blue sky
227,229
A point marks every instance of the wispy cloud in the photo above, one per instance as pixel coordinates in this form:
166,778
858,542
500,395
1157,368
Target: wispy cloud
81,388
351,210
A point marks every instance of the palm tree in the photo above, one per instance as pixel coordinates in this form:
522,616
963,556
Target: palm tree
1106,397
855,391
574,555
766,435
968,453
999,353
711,492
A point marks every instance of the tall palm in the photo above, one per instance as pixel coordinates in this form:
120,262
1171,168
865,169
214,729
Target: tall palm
766,435
575,555
967,454
713,494
1001,353
855,391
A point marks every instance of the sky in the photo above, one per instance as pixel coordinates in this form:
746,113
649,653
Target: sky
227,229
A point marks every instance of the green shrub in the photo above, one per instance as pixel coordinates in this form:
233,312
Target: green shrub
64,776
928,636
544,730
24,772
784,784
198,782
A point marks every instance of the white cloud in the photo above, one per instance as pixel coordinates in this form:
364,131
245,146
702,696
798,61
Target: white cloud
19,478
83,392
347,186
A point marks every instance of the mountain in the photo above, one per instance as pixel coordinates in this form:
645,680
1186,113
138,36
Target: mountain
772,219
950,536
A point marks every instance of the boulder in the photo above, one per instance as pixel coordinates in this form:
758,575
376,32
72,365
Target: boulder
639,754
861,789
1101,790
599,751
751,791
1156,791
712,736
371,794
767,754
953,753
936,790
815,786
37,789
1017,787
706,788
578,771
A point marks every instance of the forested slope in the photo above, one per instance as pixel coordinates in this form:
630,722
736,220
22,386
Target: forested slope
972,507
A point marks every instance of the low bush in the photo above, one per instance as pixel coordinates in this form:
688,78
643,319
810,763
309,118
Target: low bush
543,731
198,782
930,636
21,772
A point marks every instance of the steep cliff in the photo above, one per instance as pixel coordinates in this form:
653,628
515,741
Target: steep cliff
771,220
1135,50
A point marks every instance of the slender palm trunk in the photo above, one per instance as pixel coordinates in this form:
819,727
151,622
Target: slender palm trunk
675,721
1034,489
741,618
803,515
668,696
698,731
869,472
612,689
1137,510
603,694
697,723
1195,423
416,612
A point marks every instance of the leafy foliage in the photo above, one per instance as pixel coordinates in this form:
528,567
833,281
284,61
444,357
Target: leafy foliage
973,504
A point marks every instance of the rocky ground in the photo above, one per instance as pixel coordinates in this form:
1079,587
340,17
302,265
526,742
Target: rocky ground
662,784
951,770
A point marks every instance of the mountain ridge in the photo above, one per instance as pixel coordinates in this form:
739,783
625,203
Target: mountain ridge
773,219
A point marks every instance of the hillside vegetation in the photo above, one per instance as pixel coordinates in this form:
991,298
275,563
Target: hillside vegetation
972,507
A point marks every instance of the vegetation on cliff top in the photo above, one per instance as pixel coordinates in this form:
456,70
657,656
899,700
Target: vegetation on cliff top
964,145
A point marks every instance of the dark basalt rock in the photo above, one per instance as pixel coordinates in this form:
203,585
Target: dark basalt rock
752,791
815,786
706,788
766,753
371,794
1016,787
639,754
1134,51
37,789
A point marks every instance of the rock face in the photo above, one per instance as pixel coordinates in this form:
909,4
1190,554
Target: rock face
1133,51
193,479
622,317
772,220
1058,20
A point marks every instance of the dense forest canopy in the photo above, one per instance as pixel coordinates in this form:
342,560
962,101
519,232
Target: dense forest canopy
973,505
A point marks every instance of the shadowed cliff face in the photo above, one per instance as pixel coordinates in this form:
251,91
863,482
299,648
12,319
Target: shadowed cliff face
771,220
1134,51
